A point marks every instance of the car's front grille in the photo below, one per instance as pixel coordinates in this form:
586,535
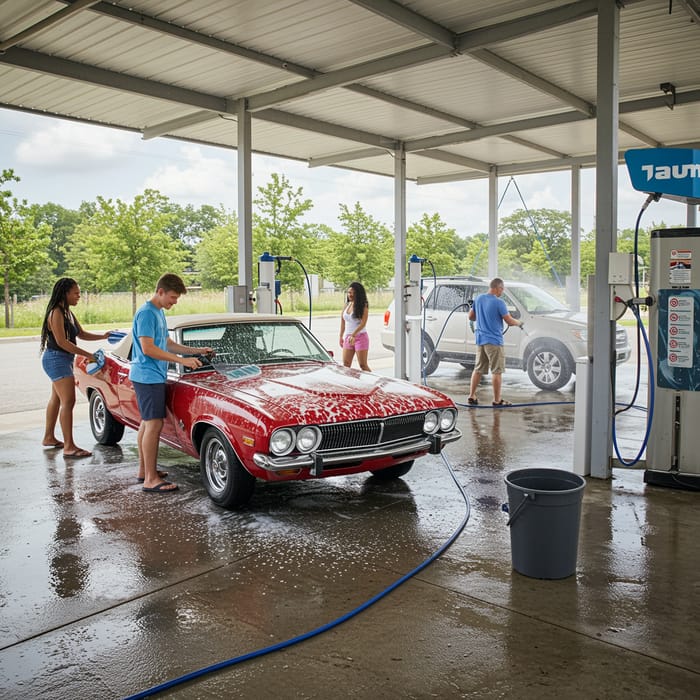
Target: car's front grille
620,338
364,433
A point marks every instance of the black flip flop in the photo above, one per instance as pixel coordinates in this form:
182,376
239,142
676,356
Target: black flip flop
161,475
158,488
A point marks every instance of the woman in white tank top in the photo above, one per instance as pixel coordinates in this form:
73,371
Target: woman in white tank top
354,338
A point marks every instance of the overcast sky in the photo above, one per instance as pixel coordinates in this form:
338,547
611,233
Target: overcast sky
66,163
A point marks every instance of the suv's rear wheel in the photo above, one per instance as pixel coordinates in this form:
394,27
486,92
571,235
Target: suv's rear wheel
549,367
429,358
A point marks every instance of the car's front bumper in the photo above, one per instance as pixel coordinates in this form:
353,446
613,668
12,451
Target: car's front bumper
426,443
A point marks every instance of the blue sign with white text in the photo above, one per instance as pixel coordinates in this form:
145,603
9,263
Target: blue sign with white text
671,171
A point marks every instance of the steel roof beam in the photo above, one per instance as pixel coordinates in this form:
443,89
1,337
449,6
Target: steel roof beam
390,10
53,19
411,20
164,128
345,76
347,156
504,66
494,130
63,68
139,19
466,42
455,159
308,124
532,167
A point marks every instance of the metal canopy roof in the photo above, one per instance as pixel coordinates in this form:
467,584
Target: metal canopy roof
465,87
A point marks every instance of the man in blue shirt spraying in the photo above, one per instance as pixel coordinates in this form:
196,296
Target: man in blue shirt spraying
490,312
152,350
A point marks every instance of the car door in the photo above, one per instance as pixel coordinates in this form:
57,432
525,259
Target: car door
446,317
472,293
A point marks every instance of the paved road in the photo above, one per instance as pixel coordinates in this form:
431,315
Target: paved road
25,387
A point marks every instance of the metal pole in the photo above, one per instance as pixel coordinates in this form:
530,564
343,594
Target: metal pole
606,236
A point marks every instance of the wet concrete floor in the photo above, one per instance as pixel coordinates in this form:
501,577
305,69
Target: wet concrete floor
106,591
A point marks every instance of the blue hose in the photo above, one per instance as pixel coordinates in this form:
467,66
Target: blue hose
650,414
323,628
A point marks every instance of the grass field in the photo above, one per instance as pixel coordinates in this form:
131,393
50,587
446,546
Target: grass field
115,310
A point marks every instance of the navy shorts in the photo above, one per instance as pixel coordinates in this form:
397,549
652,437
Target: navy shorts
57,364
151,400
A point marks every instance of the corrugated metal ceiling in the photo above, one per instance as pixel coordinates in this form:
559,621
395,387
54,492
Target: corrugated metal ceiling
342,81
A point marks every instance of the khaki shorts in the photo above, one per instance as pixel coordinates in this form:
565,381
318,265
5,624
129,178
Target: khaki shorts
491,357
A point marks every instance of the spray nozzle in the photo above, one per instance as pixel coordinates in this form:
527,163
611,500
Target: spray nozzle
653,197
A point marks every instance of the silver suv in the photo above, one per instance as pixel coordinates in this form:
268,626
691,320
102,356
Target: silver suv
547,347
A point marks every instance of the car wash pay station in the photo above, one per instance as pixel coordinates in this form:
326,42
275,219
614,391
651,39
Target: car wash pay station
672,438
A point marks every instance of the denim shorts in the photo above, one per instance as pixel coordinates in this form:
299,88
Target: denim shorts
57,364
151,400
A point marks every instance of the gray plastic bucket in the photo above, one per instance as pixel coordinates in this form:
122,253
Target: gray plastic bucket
545,511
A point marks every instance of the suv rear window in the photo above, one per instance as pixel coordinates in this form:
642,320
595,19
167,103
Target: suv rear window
446,296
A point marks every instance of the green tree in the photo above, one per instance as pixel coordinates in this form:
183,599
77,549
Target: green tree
22,243
475,257
63,223
363,251
521,233
216,254
278,228
188,224
125,246
625,244
431,238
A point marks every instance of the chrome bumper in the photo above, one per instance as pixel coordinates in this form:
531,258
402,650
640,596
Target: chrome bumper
428,443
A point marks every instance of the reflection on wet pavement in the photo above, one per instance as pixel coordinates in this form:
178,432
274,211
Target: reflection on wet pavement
106,591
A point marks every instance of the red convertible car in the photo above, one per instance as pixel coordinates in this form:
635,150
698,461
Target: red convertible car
272,404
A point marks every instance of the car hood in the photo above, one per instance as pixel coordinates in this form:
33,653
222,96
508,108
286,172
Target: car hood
322,393
564,315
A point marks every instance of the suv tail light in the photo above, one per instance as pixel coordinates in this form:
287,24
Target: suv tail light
387,316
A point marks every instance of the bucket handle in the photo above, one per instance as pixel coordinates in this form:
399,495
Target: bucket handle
521,505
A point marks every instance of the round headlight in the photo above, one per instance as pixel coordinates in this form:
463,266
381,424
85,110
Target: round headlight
308,439
282,441
448,420
431,422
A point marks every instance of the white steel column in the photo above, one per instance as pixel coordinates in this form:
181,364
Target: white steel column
574,286
493,223
400,262
606,236
245,200
691,215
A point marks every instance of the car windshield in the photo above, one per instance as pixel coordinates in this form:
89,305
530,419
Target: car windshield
255,343
536,300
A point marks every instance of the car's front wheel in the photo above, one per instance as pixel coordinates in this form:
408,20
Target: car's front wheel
105,427
549,367
228,484
394,472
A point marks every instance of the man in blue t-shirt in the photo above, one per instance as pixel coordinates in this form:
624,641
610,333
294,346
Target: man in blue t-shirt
490,312
151,352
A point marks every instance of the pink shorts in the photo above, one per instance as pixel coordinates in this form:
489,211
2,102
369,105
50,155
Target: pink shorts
361,342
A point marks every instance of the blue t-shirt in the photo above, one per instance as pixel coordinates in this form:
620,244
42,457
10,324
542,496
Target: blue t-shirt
149,322
490,311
